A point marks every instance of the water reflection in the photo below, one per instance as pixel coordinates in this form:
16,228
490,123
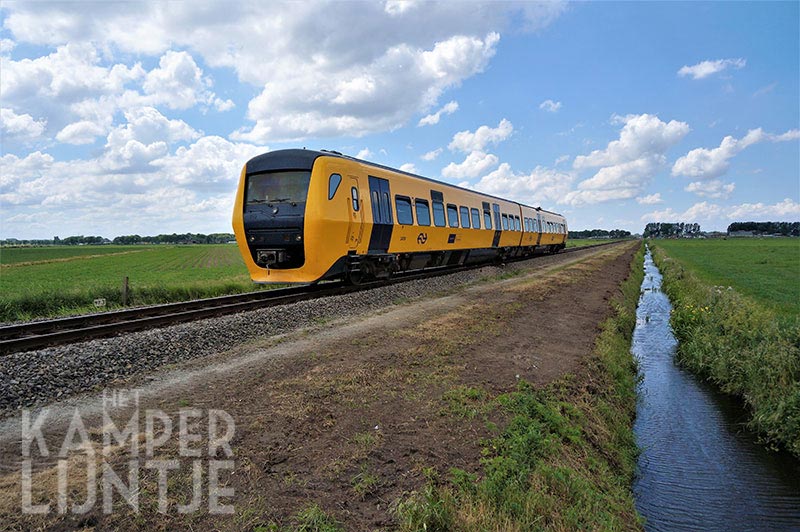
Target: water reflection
699,469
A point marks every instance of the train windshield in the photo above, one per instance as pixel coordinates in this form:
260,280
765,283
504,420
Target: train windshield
278,187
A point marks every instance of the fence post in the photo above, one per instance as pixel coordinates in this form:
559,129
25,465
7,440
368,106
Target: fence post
125,291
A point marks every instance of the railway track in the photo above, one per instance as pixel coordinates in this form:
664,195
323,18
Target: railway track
39,334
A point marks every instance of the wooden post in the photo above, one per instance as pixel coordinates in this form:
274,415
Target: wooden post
125,292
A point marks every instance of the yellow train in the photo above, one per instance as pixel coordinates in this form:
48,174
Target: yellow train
303,215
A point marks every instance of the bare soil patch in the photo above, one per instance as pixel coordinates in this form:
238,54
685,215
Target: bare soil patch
354,417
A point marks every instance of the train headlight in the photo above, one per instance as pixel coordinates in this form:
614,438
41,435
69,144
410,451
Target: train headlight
251,238
298,238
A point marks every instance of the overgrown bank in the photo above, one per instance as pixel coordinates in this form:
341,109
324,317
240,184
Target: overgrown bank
566,457
744,348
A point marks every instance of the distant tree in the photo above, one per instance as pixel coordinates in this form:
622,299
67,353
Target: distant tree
767,228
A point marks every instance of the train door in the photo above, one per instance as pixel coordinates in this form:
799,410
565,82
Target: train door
497,227
380,199
539,227
355,226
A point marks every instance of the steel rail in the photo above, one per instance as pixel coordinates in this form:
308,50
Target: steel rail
44,333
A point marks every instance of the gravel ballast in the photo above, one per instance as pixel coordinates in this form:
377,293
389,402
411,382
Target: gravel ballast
36,378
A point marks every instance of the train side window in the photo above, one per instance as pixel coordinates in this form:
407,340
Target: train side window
376,204
438,214
387,207
476,218
403,206
519,225
423,212
505,222
354,197
452,215
464,217
487,216
526,224
333,185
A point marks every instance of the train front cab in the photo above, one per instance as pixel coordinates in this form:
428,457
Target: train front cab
292,201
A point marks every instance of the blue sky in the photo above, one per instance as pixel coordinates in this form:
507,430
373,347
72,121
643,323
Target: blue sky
122,118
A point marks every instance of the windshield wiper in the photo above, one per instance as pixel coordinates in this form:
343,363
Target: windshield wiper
279,200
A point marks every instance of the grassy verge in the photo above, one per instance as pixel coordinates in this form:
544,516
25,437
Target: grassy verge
747,350
565,458
580,242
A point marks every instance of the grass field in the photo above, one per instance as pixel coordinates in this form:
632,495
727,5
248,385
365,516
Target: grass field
580,242
52,281
765,269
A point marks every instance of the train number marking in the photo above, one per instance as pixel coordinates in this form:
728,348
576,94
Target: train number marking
422,238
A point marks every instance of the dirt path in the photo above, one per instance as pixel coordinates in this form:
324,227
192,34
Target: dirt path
356,415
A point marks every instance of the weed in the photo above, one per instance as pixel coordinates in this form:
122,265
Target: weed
365,482
314,519
467,402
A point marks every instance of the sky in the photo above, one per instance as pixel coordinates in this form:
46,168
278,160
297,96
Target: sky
136,117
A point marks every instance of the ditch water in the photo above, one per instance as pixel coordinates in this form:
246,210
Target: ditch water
699,469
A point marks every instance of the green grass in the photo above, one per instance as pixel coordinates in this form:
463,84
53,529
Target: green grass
50,281
746,339
765,269
9,255
580,242
566,456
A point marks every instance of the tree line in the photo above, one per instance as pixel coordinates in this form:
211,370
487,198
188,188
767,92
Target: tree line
767,228
600,233
81,240
667,230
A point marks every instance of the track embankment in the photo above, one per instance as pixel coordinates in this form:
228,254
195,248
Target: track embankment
499,404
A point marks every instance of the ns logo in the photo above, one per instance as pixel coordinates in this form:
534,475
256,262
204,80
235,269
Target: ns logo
422,238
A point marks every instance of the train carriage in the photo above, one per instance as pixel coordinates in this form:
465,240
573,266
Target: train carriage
304,215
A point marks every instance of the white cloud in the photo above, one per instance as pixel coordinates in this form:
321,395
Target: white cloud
715,189
210,163
178,83
652,199
23,127
707,68
191,188
363,99
542,185
695,213
81,132
432,155
561,159
398,7
550,106
786,210
448,109
475,164
707,163
145,137
792,134
6,45
765,90
395,62
364,154
81,94
408,167
629,163
468,141
641,135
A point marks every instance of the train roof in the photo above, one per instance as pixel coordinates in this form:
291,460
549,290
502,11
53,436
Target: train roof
303,159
